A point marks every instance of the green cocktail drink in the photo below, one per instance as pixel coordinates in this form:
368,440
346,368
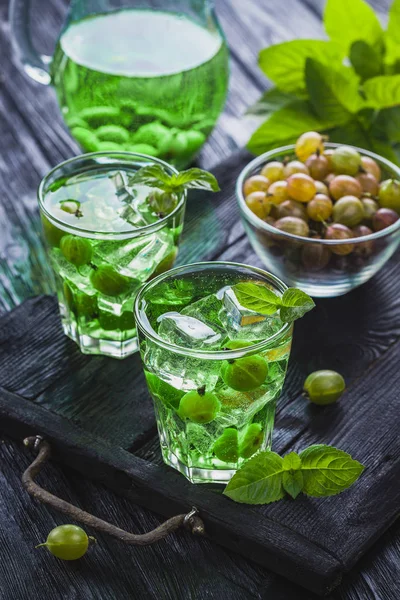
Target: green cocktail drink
104,241
141,80
214,369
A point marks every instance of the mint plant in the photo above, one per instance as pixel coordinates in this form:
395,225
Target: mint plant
347,87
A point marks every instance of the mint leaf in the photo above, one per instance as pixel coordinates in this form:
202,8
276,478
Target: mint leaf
387,125
285,125
367,62
327,471
291,462
153,176
194,179
392,46
294,304
259,481
270,101
293,482
284,63
257,297
181,293
383,91
348,21
351,133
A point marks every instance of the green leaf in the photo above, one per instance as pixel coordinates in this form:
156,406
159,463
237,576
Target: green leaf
270,101
195,179
392,45
334,95
181,293
293,482
385,149
352,133
259,481
291,462
327,471
284,63
387,124
256,297
347,21
366,61
294,304
383,91
285,125
153,176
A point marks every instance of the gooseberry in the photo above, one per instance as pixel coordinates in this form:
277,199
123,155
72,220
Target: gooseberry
368,182
346,160
277,192
108,281
273,171
71,207
301,187
328,155
318,166
363,248
226,446
371,166
308,143
199,406
244,374
256,183
320,208
258,204
337,231
384,217
68,542
370,207
76,250
389,194
348,210
294,166
250,440
344,185
324,387
292,225
235,344
321,187
291,208
315,257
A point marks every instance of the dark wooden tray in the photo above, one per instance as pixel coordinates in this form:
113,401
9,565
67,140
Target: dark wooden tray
98,415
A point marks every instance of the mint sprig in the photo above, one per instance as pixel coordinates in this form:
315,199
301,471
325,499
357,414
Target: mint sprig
292,305
317,471
346,87
158,177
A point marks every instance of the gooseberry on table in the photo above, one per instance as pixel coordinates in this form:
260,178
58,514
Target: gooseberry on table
68,542
324,387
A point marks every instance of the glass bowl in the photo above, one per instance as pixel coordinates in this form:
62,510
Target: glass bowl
293,258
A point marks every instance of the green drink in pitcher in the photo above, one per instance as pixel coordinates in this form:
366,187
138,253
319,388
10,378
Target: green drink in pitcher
141,80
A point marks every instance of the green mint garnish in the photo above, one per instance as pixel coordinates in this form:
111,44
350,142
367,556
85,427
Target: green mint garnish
292,305
318,471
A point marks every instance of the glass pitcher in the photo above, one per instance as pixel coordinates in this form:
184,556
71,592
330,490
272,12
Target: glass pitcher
147,76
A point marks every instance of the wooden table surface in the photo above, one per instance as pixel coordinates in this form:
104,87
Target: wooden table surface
33,139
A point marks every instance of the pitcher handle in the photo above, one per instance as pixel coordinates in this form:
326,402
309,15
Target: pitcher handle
35,65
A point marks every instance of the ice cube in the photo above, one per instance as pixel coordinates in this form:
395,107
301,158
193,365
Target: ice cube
206,309
183,330
238,408
239,315
66,270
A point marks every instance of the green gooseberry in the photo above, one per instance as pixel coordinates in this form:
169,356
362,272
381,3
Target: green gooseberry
106,280
162,390
226,446
68,542
76,250
143,149
389,194
194,141
154,134
324,387
346,160
348,211
250,440
245,374
236,344
71,206
97,116
179,144
86,138
113,133
199,406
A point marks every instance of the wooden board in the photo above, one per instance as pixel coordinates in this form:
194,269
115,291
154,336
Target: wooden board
103,428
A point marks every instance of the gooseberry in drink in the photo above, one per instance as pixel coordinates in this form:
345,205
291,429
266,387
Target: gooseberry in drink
363,248
301,187
308,143
384,217
235,344
199,406
344,185
250,440
318,166
348,210
76,250
108,281
371,166
277,192
291,208
369,183
293,225
389,194
337,231
315,257
273,171
256,183
321,187
226,446
244,374
370,207
68,542
71,207
294,166
258,204
320,208
346,160
324,387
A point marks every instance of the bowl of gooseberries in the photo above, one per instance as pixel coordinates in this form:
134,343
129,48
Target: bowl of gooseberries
323,217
